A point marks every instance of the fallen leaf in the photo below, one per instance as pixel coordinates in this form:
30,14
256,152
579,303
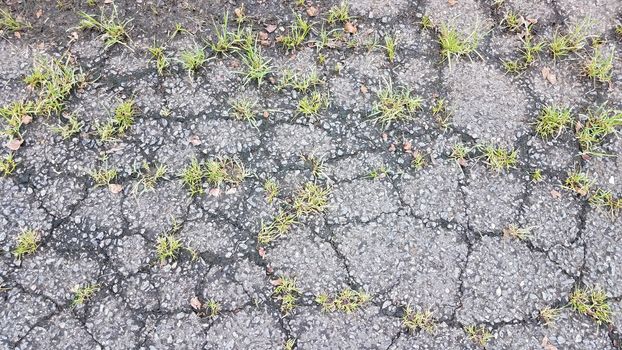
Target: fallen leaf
262,252
555,194
270,28
392,148
548,75
18,35
407,146
312,11
546,344
194,139
385,137
196,303
462,162
276,282
263,36
14,144
585,157
350,28
39,13
108,1
266,114
364,89
115,188
452,2
214,192
26,119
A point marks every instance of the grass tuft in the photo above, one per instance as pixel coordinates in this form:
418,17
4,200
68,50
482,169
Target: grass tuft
192,60
298,32
271,187
552,121
27,243
548,315
257,66
578,182
390,46
479,335
287,293
453,45
605,199
516,232
82,294
113,30
168,247
599,66
348,301
575,39
245,109
600,123
339,13
72,127
8,22
591,302
280,226
148,177
192,177
418,320
312,198
7,165
158,56
394,105
499,158
103,176
311,105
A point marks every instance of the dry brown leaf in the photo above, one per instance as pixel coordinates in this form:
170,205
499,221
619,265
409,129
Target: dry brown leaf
364,89
385,137
555,194
39,13
392,148
262,252
195,303
462,162
549,76
115,188
350,28
270,28
546,344
18,35
14,144
407,146
108,1
266,114
26,119
276,282
263,36
214,192
194,139
452,2
312,11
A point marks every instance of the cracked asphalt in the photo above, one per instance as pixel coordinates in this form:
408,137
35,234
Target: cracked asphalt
431,238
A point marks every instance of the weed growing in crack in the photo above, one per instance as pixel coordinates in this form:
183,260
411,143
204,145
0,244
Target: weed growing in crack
244,109
257,66
579,183
113,30
516,232
192,178
280,226
379,173
478,335
426,23
394,105
511,21
122,119
591,302
339,13
271,187
27,243
168,248
499,158
348,301
103,176
287,293
55,79
302,83
575,39
460,153
226,41
7,165
72,127
605,199
599,66
192,60
81,294
418,320
552,121
453,45
318,168
10,23
536,175
441,113
14,116
298,32
548,315
311,105
289,344
158,56
601,122
213,308
312,198
390,46
148,177
419,161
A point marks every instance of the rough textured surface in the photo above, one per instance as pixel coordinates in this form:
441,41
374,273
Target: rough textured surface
403,221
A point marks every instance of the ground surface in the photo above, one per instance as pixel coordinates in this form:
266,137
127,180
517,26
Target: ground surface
432,238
